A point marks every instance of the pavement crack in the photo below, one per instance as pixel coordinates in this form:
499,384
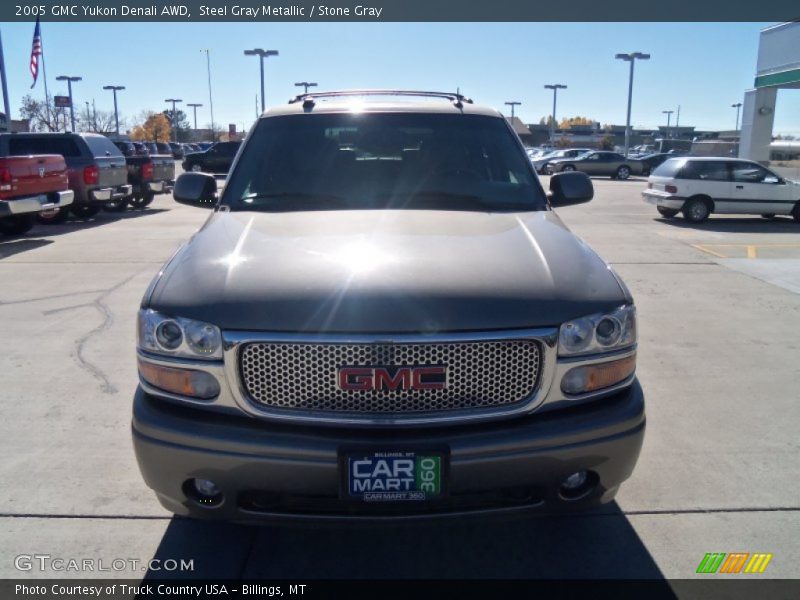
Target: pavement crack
108,320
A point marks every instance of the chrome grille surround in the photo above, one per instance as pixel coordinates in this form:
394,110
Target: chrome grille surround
318,400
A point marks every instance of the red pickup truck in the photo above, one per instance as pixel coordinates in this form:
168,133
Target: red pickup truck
30,185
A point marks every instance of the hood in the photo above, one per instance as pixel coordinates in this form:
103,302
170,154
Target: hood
384,271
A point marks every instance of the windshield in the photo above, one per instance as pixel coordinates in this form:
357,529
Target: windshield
386,160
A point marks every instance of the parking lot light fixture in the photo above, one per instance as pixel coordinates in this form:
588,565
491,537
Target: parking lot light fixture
305,85
194,106
555,87
174,114
262,54
115,89
737,106
69,81
669,117
512,104
631,58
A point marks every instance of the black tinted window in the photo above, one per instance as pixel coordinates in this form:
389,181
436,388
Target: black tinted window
101,146
669,168
21,146
164,148
227,149
706,170
383,160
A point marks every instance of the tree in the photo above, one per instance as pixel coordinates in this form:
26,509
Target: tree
99,121
568,122
43,115
155,128
606,142
546,120
179,124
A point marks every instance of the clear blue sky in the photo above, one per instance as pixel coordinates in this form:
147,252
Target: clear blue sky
704,68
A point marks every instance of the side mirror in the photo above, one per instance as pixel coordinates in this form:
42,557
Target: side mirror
196,189
572,187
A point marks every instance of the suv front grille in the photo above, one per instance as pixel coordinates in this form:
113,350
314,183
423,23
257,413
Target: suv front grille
304,376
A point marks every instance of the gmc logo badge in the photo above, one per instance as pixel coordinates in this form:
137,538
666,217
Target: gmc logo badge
357,379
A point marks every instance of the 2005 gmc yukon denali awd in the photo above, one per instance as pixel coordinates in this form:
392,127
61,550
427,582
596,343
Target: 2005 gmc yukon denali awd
383,317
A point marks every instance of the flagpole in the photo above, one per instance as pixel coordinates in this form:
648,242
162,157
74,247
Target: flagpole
44,76
5,86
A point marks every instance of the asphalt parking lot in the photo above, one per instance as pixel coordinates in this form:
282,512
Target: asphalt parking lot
719,314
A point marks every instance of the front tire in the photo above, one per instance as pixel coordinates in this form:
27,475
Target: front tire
116,205
16,225
623,172
667,213
197,168
567,168
696,211
796,213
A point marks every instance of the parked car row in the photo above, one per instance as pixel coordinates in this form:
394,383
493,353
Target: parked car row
215,159
47,176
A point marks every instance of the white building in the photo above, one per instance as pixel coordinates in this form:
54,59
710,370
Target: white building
778,67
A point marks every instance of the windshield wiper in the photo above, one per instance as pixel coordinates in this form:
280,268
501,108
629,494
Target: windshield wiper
299,200
455,200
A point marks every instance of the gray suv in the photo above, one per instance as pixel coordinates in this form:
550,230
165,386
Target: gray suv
383,317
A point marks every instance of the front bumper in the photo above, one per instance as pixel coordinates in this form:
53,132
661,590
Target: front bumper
35,204
110,193
274,470
664,199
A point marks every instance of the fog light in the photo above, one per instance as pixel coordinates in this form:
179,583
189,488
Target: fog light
186,382
203,491
578,485
572,482
596,377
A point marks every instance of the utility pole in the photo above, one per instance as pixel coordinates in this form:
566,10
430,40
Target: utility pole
5,88
737,106
210,99
194,108
669,114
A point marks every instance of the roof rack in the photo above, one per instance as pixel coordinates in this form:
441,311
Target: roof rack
309,99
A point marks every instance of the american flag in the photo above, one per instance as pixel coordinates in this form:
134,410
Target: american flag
36,52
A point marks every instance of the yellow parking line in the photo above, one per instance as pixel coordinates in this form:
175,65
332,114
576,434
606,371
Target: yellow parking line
706,250
751,251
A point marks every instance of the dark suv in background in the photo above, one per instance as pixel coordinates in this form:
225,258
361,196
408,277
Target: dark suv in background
97,169
217,159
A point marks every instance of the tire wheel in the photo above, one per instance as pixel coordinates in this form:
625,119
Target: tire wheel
667,213
85,211
567,168
53,217
695,211
116,205
16,225
623,172
796,213
139,202
197,168
768,216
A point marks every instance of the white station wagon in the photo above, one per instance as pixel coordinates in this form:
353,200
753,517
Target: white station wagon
699,186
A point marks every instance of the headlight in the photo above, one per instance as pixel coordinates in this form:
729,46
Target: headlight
175,336
598,333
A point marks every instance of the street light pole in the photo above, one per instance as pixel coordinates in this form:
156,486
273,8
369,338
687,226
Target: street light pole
174,115
631,58
669,117
305,85
555,87
512,104
262,54
69,81
737,106
194,107
115,89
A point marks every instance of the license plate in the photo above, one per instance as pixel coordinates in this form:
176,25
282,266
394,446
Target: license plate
394,475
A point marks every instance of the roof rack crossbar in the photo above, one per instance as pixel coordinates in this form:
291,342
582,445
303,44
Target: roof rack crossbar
308,99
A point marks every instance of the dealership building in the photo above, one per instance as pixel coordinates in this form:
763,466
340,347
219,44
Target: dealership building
778,68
